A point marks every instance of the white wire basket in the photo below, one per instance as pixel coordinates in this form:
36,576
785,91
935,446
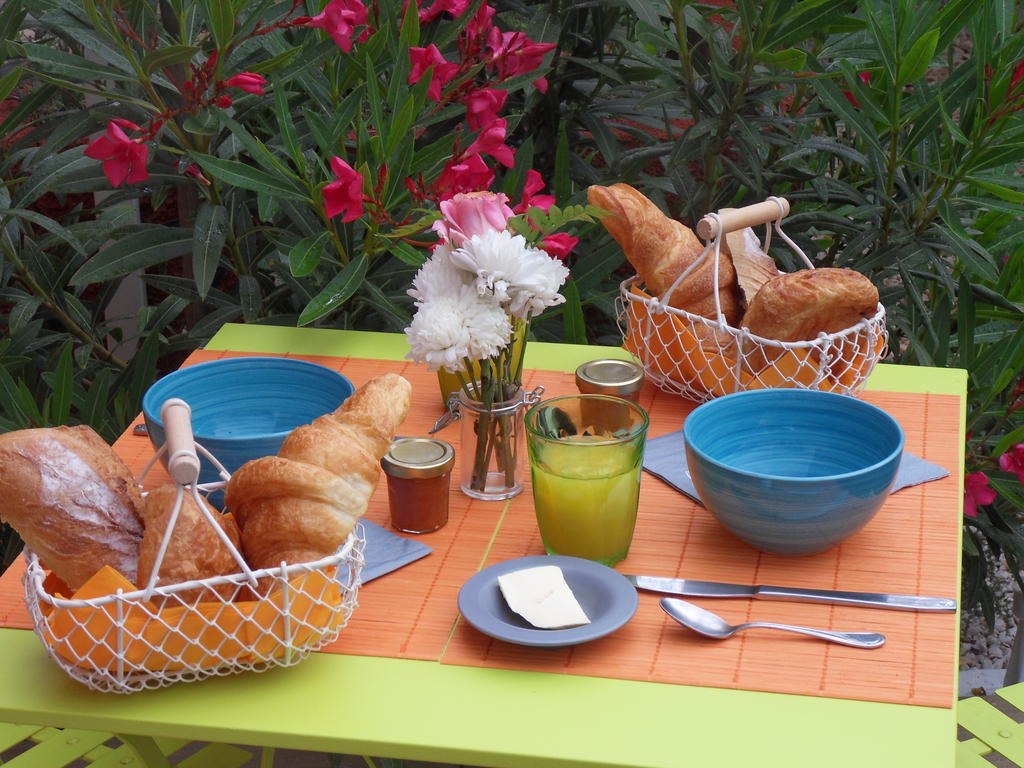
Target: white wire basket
702,358
127,640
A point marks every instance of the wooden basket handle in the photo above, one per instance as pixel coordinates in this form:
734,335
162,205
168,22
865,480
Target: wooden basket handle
732,219
182,460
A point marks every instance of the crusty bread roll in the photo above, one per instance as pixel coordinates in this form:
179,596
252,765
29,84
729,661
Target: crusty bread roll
799,305
660,249
753,266
300,505
72,500
194,550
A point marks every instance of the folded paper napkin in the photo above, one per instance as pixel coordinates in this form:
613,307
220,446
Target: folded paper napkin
386,552
665,457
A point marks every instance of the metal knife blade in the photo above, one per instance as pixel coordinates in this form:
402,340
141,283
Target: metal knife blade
692,588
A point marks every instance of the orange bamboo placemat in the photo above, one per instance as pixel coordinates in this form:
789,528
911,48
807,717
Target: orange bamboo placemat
909,547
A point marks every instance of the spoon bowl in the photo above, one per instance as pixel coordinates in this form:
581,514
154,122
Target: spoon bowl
710,624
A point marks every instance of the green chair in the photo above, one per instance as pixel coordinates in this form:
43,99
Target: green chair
991,729
56,747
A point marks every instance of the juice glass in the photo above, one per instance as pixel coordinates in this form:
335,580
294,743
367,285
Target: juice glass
586,455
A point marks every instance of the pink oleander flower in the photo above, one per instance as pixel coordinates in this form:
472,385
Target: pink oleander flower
1013,461
1018,74
464,175
481,24
541,84
123,159
193,170
865,77
127,125
977,492
250,82
483,106
534,183
491,141
224,101
423,59
559,245
345,195
515,53
454,7
471,213
339,19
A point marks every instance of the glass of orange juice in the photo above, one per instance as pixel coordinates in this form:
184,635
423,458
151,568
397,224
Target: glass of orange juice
586,455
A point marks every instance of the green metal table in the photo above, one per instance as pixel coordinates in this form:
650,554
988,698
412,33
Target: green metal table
491,717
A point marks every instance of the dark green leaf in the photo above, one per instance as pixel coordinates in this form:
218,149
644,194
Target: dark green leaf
257,149
953,17
71,66
167,56
788,58
203,123
10,401
573,322
1010,195
247,177
336,292
8,82
283,113
407,254
221,19
135,251
165,313
26,106
61,385
249,295
917,60
46,223
210,232
51,172
305,256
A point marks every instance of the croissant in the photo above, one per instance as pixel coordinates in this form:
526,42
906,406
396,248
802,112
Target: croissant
72,500
661,249
800,305
194,550
300,505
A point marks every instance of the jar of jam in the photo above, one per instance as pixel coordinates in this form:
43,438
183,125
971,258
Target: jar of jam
619,378
418,471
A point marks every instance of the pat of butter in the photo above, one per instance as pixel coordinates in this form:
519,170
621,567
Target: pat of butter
541,596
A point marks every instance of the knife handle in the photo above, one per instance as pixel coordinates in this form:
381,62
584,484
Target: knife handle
898,602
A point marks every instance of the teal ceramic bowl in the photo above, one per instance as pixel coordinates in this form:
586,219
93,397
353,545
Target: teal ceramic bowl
244,407
792,471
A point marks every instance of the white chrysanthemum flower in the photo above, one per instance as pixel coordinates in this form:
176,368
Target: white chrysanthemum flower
457,325
542,276
523,278
438,277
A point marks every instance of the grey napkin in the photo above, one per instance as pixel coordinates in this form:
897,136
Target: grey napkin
665,457
386,551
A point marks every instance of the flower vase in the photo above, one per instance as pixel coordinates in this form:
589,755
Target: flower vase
491,440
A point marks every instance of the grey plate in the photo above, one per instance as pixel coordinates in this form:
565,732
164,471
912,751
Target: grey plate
605,596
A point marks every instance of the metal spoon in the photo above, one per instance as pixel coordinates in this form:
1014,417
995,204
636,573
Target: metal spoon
712,625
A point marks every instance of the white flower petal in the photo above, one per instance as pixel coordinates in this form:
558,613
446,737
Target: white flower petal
460,325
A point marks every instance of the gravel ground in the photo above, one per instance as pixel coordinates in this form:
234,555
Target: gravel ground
984,648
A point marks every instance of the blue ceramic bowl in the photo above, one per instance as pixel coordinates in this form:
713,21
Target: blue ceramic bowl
244,407
792,471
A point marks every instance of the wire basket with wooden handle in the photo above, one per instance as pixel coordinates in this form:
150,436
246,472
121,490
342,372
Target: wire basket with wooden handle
701,358
115,636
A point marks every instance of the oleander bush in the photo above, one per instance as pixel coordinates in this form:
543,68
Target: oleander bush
287,158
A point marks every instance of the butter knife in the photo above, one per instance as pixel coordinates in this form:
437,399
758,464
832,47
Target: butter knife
691,588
